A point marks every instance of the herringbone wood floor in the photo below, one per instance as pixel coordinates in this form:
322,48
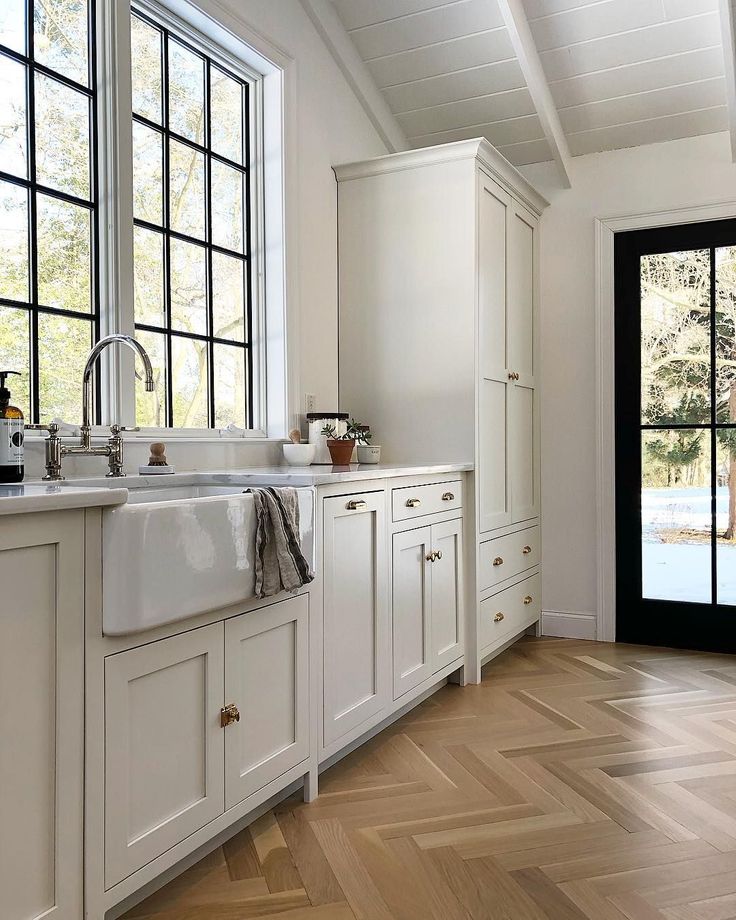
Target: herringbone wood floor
579,780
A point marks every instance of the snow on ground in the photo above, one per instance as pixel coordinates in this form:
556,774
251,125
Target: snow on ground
681,571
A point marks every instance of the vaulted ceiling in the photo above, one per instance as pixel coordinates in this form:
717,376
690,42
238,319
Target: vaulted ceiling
616,73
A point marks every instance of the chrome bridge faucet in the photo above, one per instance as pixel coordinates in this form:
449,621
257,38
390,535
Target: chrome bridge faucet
113,450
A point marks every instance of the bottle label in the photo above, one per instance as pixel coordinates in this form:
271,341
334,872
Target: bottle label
11,442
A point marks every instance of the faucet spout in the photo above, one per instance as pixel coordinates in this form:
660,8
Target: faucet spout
132,343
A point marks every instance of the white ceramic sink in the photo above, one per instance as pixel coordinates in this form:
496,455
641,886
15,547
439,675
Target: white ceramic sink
176,551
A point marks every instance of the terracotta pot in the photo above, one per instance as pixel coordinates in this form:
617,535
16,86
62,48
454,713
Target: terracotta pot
340,451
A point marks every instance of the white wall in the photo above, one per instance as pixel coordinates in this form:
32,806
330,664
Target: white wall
679,174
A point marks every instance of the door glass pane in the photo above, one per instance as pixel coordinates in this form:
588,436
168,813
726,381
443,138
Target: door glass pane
726,516
189,374
60,37
13,123
675,338
146,57
676,515
14,241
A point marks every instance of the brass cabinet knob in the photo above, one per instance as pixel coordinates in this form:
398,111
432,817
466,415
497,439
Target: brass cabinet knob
430,557
527,550
527,600
356,505
511,375
229,714
438,554
448,497
498,560
413,502
498,618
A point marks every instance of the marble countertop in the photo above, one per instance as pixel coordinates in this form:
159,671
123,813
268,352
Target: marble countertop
38,496
98,491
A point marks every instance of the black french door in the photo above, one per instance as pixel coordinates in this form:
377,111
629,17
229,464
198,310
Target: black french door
676,436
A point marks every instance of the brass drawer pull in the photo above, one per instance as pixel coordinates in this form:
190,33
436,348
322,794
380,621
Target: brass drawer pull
498,560
448,497
527,550
356,505
498,618
527,600
413,502
229,714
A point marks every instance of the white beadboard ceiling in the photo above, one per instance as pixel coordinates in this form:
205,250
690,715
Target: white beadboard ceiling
621,72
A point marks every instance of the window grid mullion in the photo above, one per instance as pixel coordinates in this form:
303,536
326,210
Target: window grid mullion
208,234
167,224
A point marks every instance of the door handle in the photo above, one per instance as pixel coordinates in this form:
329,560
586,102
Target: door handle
356,505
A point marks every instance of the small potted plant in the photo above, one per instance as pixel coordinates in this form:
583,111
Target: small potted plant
367,453
340,446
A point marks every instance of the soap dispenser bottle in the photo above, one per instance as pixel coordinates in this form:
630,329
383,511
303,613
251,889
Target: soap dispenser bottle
11,435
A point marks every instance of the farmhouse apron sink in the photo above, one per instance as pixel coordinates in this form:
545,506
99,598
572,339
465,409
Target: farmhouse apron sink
176,551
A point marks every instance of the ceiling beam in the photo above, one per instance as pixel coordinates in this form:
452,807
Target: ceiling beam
726,11
526,51
327,23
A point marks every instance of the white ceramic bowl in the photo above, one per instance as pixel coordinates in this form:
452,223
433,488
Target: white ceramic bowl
299,454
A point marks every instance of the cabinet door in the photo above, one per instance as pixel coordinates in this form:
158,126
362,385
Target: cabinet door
41,715
447,593
523,444
494,210
164,747
267,678
411,608
356,638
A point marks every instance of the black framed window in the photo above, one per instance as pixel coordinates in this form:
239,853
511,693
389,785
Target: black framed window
49,315
192,247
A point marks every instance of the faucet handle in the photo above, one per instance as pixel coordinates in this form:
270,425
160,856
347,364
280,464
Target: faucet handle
116,429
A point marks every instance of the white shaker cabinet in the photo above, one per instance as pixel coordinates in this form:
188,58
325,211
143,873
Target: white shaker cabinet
164,754
356,646
439,303
41,715
427,602
267,680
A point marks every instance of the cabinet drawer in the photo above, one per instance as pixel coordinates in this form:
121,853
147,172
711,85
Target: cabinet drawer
511,610
416,501
507,556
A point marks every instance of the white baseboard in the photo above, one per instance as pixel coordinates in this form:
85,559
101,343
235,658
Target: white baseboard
569,625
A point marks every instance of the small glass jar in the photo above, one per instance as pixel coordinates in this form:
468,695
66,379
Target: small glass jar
317,421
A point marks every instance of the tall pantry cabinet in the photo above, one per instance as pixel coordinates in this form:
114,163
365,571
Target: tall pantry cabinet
439,298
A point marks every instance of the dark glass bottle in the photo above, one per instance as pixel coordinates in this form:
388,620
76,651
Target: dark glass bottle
11,435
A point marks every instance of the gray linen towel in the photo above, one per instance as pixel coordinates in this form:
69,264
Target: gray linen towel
280,563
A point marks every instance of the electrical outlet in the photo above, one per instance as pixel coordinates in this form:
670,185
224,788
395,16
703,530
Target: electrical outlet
309,402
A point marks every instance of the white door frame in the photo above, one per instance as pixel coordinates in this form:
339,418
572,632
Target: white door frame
605,229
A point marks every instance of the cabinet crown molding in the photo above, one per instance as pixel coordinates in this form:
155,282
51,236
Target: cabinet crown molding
478,149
